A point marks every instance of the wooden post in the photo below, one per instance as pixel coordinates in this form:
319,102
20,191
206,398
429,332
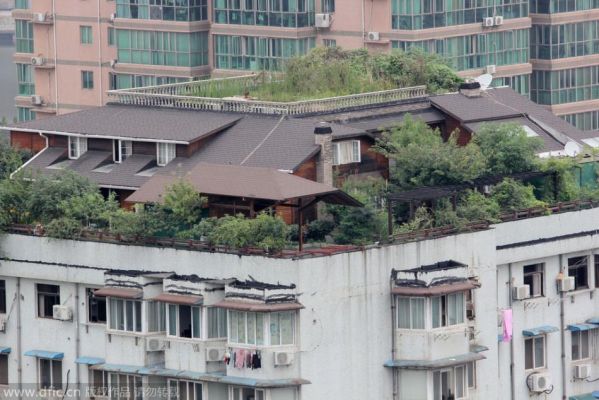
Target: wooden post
300,219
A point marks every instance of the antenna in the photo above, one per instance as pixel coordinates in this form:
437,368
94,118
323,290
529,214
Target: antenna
484,80
571,149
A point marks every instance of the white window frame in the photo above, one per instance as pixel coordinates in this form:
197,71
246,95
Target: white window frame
175,307
271,324
98,389
51,364
122,150
37,297
533,339
411,300
173,386
126,317
156,316
114,388
356,152
77,147
537,289
577,336
236,393
452,380
169,152
244,314
446,311
221,321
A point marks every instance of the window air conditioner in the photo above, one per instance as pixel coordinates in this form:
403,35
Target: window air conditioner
322,20
62,313
38,61
39,17
488,22
498,20
214,354
154,344
283,358
566,284
374,36
538,382
521,292
582,371
37,100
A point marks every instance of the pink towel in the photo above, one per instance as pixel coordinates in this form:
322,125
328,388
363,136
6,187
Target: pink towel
239,358
507,324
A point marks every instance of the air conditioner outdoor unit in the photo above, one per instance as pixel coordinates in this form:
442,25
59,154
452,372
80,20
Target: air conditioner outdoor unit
521,292
37,100
322,20
488,22
582,371
539,382
112,17
113,63
154,344
3,323
499,20
566,284
37,61
283,358
39,17
62,313
374,36
490,69
214,354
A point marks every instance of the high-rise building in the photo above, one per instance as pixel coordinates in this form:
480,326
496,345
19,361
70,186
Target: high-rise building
70,52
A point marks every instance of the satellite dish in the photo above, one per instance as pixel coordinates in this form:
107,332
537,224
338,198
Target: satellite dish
484,80
571,149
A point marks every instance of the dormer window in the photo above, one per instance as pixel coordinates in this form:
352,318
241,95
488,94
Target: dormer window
77,147
166,152
346,152
122,150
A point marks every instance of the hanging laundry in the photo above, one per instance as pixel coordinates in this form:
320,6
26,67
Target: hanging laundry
256,361
227,358
506,316
248,360
240,358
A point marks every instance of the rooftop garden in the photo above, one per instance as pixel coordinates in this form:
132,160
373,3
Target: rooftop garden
69,206
330,72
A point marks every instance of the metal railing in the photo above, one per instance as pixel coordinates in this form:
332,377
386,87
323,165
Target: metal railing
201,96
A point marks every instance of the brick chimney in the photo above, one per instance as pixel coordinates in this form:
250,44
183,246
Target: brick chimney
470,89
323,136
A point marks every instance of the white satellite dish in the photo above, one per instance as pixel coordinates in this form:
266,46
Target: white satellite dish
484,80
571,149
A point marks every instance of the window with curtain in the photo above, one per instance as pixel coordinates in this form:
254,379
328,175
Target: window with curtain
184,321
166,153
156,316
534,352
346,152
25,79
125,315
24,36
246,327
217,323
580,345
411,312
448,310
282,328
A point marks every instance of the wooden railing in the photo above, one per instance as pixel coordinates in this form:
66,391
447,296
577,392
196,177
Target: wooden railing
195,96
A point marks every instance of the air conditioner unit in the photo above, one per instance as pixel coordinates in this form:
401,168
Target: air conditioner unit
566,284
39,17
498,20
488,22
582,371
155,344
112,17
62,313
3,323
283,358
214,354
113,63
374,36
37,61
490,69
322,20
521,292
538,382
37,100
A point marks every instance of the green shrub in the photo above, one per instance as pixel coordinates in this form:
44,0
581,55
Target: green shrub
232,231
512,195
475,206
268,232
184,201
319,229
63,228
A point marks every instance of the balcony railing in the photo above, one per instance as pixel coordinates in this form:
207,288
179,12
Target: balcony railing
210,95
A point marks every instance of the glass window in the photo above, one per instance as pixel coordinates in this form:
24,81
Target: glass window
346,152
47,297
184,390
25,114
50,374
217,322
96,307
184,321
166,10
534,352
2,296
85,34
328,6
578,268
156,316
448,310
533,277
77,146
25,79
580,345
123,150
166,153
24,36
87,80
22,4
123,386
111,36
125,315
282,327
3,369
450,383
246,327
410,312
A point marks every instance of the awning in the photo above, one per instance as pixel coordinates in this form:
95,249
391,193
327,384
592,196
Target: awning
188,300
90,360
540,330
258,307
4,350
434,364
594,320
218,377
587,396
581,327
436,290
50,355
125,293
477,348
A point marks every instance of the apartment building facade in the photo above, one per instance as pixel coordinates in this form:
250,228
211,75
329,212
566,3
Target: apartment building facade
150,322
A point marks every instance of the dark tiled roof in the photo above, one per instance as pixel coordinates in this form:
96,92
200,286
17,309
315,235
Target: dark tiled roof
429,115
136,123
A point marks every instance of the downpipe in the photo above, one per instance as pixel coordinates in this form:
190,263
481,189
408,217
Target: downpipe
562,318
512,374
393,344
